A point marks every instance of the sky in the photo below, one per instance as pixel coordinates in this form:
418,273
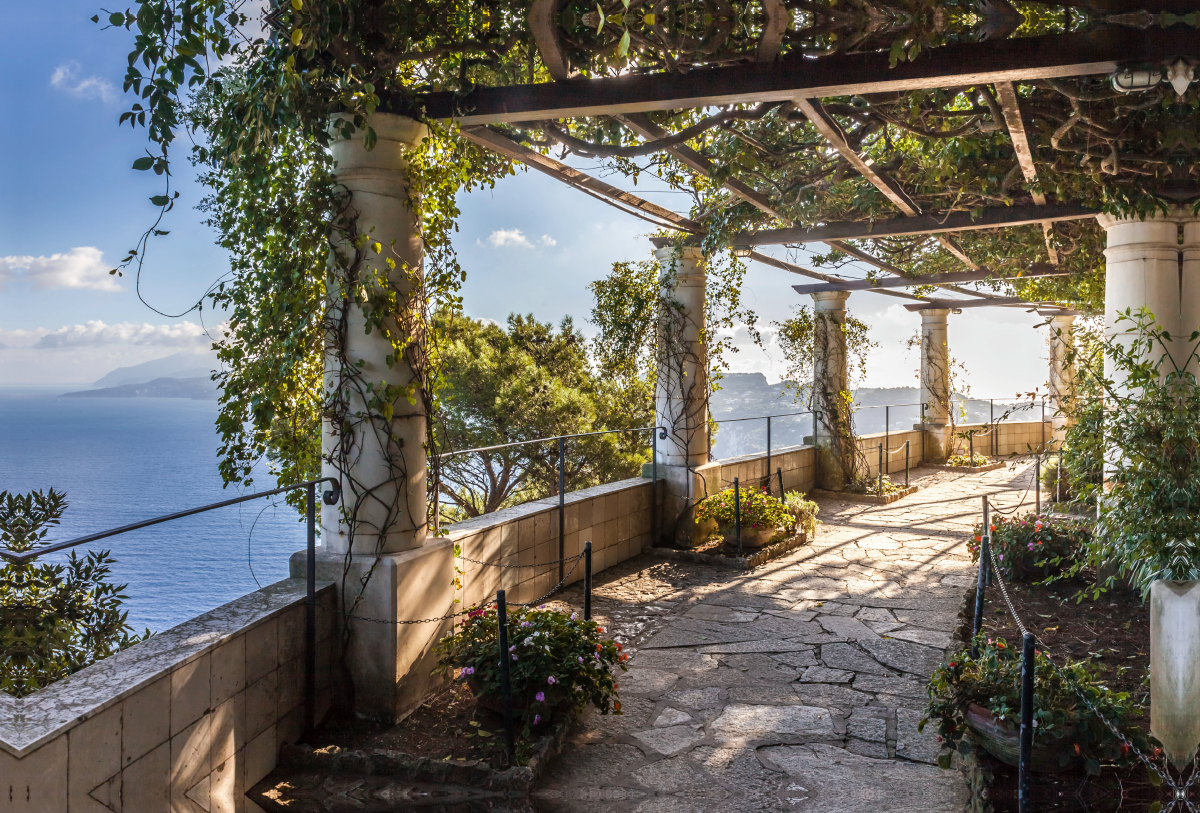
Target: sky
71,206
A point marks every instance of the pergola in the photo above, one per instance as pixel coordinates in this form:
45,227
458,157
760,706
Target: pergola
805,121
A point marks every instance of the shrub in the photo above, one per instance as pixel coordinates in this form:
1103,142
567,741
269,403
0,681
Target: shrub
758,508
556,661
1030,543
54,619
968,459
804,512
873,486
993,681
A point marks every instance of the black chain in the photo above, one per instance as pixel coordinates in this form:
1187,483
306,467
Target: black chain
516,567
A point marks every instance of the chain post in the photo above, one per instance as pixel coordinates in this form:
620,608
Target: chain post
1037,484
779,471
980,592
1058,478
505,681
906,443
971,447
587,581
769,458
1024,803
880,492
310,614
887,429
655,537
992,421
737,514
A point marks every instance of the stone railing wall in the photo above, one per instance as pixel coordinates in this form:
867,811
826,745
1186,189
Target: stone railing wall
1012,437
868,445
188,720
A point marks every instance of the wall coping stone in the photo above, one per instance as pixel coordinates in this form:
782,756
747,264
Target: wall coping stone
775,452
467,527
28,723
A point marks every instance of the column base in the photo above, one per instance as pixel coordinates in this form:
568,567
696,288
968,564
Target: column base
938,441
388,666
682,489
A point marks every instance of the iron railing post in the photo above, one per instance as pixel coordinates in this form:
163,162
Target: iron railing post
587,581
779,471
769,456
562,505
987,532
655,537
906,443
881,470
980,591
887,430
1024,803
992,421
737,515
1058,478
1037,484
971,448
310,614
505,681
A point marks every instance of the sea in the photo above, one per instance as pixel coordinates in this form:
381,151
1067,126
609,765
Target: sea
120,460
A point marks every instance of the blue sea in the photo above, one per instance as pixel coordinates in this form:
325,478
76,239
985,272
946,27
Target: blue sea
120,460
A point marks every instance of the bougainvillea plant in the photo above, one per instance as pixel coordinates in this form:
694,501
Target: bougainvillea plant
1030,544
993,680
557,662
759,510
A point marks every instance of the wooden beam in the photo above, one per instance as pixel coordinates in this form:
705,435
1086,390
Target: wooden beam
993,217
932,279
972,303
1006,92
955,65
808,272
502,144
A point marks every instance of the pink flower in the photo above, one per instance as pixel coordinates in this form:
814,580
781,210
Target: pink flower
467,670
537,718
540,697
550,680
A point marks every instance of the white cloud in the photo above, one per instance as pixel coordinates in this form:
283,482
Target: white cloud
95,333
81,267
501,238
66,78
547,240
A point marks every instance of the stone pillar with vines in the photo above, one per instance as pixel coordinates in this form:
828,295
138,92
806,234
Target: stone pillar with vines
935,384
682,387
1061,383
376,545
832,402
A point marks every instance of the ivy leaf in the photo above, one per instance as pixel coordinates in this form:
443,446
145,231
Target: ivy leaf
297,4
297,37
116,18
160,200
623,46
143,163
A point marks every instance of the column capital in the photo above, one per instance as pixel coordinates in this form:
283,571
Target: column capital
934,316
1063,321
830,300
682,254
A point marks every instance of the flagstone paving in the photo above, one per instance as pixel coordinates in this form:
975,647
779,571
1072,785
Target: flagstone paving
797,686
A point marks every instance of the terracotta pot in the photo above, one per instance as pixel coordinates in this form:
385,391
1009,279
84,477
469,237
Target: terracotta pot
1002,739
751,537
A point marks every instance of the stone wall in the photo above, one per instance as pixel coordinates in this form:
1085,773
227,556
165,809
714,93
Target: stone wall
894,462
798,464
185,722
1012,437
615,518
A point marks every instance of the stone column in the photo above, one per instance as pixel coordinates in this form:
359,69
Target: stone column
681,392
378,532
935,384
1062,372
831,384
1142,269
1189,289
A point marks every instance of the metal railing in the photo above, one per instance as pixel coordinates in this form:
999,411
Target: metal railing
330,497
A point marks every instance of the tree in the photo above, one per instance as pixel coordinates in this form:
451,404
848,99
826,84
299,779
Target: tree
522,383
54,619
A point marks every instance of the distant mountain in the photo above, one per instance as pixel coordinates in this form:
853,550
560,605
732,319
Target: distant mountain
177,365
197,388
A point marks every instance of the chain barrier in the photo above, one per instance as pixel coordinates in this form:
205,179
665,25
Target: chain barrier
553,590
516,567
1149,762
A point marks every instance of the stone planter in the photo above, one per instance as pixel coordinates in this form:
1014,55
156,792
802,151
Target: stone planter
1001,739
1174,679
752,537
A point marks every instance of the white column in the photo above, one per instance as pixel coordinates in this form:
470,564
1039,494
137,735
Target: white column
1062,371
385,476
377,534
681,393
935,383
830,385
1142,269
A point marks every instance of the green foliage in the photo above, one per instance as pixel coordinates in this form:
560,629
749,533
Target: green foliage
527,382
1149,446
967,459
759,510
1029,545
803,511
993,681
54,619
559,656
803,346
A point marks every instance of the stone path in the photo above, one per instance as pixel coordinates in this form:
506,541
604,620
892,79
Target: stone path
795,687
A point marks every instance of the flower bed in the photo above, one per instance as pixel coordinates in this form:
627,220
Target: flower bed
558,663
761,514
970,460
1031,545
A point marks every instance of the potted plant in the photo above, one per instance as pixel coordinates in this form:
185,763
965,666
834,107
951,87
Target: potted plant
977,701
763,518
804,513
557,662
1031,546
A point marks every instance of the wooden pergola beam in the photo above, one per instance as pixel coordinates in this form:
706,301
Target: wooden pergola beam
973,303
935,223
503,145
955,65
1040,270
808,272
1006,92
